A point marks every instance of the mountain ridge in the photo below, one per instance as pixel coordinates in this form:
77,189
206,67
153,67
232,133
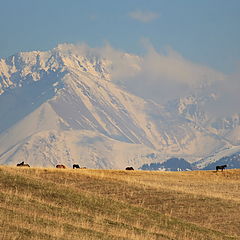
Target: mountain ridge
78,93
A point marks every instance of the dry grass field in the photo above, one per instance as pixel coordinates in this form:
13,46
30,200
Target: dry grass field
37,203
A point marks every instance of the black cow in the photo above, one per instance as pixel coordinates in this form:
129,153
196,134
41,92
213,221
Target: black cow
76,166
22,164
129,168
221,167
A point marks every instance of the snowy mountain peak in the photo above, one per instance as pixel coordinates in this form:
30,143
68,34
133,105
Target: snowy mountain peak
32,66
68,90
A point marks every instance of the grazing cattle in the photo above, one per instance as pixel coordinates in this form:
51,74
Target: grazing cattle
60,166
22,164
76,166
129,168
220,167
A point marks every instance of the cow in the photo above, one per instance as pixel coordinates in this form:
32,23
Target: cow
129,168
76,166
60,166
22,164
221,167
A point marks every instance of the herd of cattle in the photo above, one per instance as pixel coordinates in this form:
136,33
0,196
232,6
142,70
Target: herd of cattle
22,164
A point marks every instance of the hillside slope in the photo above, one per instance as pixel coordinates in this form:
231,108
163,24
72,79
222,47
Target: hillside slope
105,204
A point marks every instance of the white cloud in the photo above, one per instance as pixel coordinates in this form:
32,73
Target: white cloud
228,97
143,16
164,76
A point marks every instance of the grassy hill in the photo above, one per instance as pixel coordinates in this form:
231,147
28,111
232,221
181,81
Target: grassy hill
37,203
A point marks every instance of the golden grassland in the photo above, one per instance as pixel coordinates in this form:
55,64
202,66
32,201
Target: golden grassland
38,203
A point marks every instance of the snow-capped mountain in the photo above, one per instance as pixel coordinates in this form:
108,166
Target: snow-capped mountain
62,106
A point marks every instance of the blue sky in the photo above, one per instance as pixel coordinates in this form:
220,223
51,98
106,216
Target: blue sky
206,32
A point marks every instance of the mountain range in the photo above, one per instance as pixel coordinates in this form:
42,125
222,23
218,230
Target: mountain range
61,106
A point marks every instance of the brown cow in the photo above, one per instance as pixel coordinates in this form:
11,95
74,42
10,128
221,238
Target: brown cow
60,166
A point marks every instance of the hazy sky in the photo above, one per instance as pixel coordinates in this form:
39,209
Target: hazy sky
183,43
205,32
